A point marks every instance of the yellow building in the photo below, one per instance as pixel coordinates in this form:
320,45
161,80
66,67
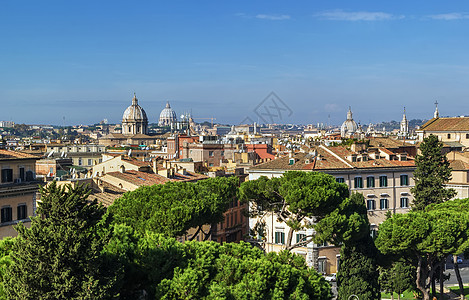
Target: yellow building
384,175
18,189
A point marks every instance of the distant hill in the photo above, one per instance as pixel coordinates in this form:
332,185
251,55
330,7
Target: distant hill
391,125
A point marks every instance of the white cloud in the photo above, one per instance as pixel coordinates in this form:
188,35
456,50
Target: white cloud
450,16
340,15
273,17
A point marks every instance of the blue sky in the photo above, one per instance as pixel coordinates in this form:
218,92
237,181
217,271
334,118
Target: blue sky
83,60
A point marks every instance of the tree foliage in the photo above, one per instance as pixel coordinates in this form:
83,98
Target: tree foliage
60,256
293,198
172,208
397,277
163,268
6,246
431,173
349,227
427,237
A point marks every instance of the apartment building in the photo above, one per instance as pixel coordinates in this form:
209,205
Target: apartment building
18,189
384,177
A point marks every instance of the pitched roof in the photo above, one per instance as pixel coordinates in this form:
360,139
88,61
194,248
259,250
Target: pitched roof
447,124
136,162
110,194
333,158
458,165
387,142
139,178
8,154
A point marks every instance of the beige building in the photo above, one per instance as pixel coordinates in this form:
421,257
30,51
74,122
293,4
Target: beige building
85,156
384,177
18,189
451,131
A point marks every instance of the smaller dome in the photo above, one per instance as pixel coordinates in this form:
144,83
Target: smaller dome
134,112
167,116
349,126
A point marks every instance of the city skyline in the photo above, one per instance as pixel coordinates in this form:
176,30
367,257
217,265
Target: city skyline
83,61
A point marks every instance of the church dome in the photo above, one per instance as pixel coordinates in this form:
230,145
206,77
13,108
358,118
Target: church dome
349,126
167,116
134,112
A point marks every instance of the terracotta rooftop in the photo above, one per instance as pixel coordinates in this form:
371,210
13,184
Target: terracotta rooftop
458,165
7,154
139,178
189,176
387,142
447,124
110,194
324,160
137,162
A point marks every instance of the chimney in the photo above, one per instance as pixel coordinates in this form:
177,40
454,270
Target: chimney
155,166
101,186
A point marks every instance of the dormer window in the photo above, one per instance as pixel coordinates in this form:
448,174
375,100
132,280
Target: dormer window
291,161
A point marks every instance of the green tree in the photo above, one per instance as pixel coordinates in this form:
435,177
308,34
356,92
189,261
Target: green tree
293,198
163,268
431,173
6,246
397,277
426,237
61,255
349,227
173,208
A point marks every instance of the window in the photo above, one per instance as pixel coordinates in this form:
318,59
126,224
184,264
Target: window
29,176
22,174
322,265
300,237
279,237
383,181
404,179
373,233
80,162
404,202
370,204
210,164
467,135
449,135
340,179
7,175
210,153
370,181
6,214
90,162
22,212
358,183
383,204
325,244
222,153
